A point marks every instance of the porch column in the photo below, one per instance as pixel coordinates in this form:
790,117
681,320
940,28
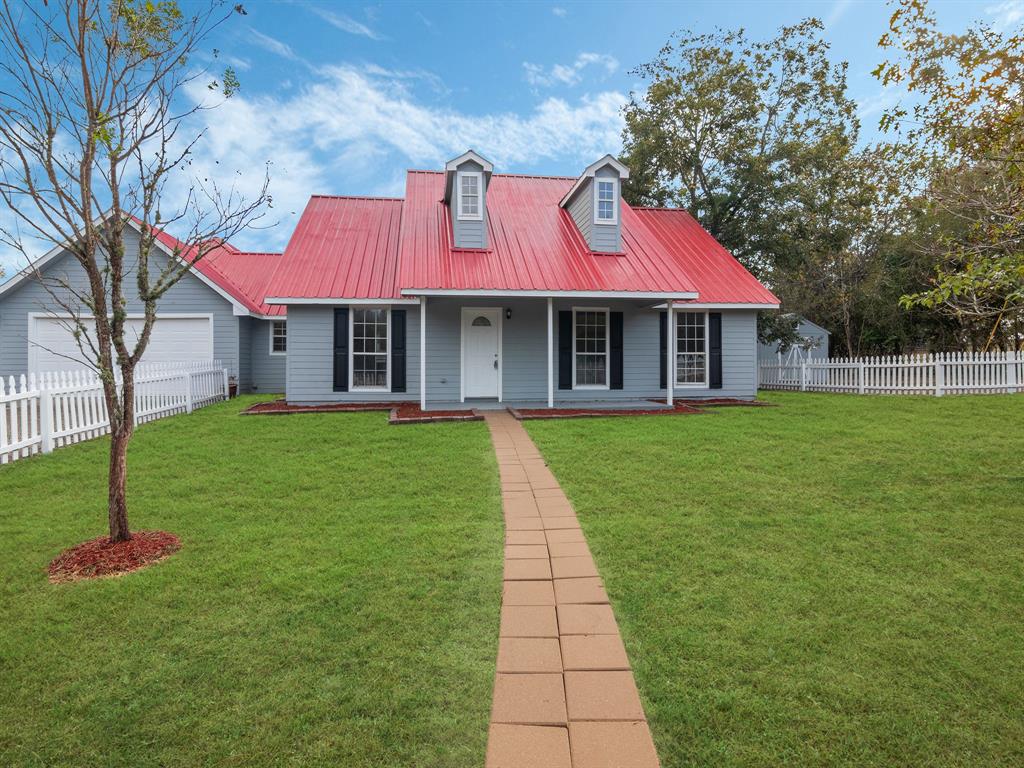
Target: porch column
551,352
671,337
423,353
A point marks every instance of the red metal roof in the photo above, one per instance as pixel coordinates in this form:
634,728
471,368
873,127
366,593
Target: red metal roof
534,245
343,247
374,248
719,277
241,274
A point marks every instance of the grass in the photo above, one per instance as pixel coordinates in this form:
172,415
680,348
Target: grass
835,582
335,602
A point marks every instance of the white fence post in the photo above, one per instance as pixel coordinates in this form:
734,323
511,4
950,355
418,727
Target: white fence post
227,390
860,378
188,391
940,376
46,420
1011,371
803,376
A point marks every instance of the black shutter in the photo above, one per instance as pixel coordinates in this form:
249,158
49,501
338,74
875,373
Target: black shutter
341,349
565,350
616,349
663,349
715,350
398,350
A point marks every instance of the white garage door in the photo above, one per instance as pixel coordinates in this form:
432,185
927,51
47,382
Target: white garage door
52,347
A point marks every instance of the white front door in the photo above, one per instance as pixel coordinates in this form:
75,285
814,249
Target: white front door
480,351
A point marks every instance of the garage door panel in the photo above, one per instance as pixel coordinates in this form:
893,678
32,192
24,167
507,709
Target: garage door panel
173,339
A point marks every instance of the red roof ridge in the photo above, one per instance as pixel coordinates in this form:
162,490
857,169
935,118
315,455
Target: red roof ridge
511,175
361,197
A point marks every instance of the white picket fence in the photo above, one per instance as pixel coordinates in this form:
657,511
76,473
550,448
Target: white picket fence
41,412
950,373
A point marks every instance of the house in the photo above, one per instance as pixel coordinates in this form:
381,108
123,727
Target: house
216,312
520,288
814,345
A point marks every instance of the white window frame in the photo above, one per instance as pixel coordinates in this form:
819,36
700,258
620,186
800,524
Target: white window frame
607,348
352,349
598,180
273,327
479,215
676,384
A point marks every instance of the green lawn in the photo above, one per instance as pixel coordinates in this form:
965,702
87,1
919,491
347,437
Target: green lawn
835,582
335,602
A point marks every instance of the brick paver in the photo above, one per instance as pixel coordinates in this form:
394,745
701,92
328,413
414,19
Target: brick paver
564,695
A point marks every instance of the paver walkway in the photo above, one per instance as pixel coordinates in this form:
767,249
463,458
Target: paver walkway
564,695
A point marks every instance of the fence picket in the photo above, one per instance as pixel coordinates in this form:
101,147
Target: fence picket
932,374
45,411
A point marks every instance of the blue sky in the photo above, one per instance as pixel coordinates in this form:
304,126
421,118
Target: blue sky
343,97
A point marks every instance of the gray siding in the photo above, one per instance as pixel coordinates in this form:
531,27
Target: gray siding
268,371
310,359
602,238
189,296
605,237
245,354
469,233
524,349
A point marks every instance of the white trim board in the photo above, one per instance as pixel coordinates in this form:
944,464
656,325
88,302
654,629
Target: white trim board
714,305
340,301
497,294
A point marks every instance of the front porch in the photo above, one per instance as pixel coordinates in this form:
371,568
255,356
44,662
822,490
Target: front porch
453,353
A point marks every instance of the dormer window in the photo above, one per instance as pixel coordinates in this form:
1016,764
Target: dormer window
606,201
470,195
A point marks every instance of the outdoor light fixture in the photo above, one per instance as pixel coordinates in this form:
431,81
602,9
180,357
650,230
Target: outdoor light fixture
508,313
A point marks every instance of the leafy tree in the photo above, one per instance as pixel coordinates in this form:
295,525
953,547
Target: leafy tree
92,125
967,121
730,129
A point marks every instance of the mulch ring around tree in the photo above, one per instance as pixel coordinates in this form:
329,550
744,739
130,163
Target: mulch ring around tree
100,557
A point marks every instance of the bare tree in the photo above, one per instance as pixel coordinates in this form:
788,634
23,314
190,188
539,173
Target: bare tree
93,122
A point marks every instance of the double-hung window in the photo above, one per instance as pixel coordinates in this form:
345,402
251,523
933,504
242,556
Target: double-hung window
470,195
590,348
605,204
369,364
278,337
691,349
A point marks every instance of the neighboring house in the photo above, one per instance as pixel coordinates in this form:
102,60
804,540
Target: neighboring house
215,312
815,348
519,288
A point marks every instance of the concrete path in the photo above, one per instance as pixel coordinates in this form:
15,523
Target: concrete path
564,695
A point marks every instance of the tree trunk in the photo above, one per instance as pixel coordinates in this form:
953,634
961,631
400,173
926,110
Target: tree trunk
121,407
117,500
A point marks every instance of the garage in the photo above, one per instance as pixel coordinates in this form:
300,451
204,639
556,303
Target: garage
175,338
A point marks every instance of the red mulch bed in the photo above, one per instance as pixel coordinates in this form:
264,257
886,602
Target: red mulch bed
727,401
578,413
99,557
281,407
410,413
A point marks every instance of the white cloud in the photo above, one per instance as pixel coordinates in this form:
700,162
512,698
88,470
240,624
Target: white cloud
352,129
559,11
344,23
273,45
568,74
839,9
1007,14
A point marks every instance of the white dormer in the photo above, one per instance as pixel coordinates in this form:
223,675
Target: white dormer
595,203
465,190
